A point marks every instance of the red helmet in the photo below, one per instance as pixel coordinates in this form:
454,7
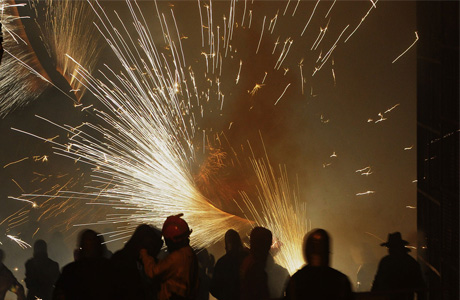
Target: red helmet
175,228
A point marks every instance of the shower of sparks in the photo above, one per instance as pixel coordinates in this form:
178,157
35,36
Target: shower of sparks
61,37
19,86
142,165
365,193
416,39
144,147
18,241
281,212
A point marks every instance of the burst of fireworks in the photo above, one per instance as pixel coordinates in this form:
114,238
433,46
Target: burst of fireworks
143,149
281,212
22,76
62,36
142,155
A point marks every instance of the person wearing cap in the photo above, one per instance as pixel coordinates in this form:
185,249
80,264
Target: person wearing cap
317,280
177,273
398,273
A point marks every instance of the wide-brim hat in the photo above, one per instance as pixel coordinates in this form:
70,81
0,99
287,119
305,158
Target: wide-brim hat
395,240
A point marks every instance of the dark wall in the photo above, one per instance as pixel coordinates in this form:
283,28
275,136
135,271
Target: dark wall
438,145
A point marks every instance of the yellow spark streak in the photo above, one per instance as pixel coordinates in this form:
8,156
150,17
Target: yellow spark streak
256,88
281,212
15,162
285,89
311,16
333,154
261,35
287,5
43,158
411,207
416,39
330,9
17,184
295,9
35,232
378,238
409,148
362,20
390,109
239,71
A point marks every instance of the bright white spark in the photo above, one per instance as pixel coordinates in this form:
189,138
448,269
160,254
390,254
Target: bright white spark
285,89
18,241
365,193
311,16
409,148
362,20
381,118
391,108
416,39
261,35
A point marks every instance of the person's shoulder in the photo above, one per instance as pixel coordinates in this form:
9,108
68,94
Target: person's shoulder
337,273
29,262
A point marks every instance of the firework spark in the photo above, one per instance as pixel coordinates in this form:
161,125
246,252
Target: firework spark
19,86
281,211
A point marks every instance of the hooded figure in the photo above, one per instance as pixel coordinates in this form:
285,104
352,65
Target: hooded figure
398,273
130,279
41,273
317,280
225,283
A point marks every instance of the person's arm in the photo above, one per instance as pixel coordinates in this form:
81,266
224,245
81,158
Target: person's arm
163,268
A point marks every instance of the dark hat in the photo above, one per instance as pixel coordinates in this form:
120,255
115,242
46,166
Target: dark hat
395,240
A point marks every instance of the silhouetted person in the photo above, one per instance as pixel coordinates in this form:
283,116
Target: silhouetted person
254,278
206,264
131,282
398,273
41,273
317,280
225,283
90,276
177,273
8,282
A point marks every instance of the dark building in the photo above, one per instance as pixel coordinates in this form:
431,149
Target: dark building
438,145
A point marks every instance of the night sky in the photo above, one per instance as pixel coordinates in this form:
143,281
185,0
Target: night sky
302,131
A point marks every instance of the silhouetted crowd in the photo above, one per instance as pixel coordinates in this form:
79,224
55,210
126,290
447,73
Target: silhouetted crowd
141,270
